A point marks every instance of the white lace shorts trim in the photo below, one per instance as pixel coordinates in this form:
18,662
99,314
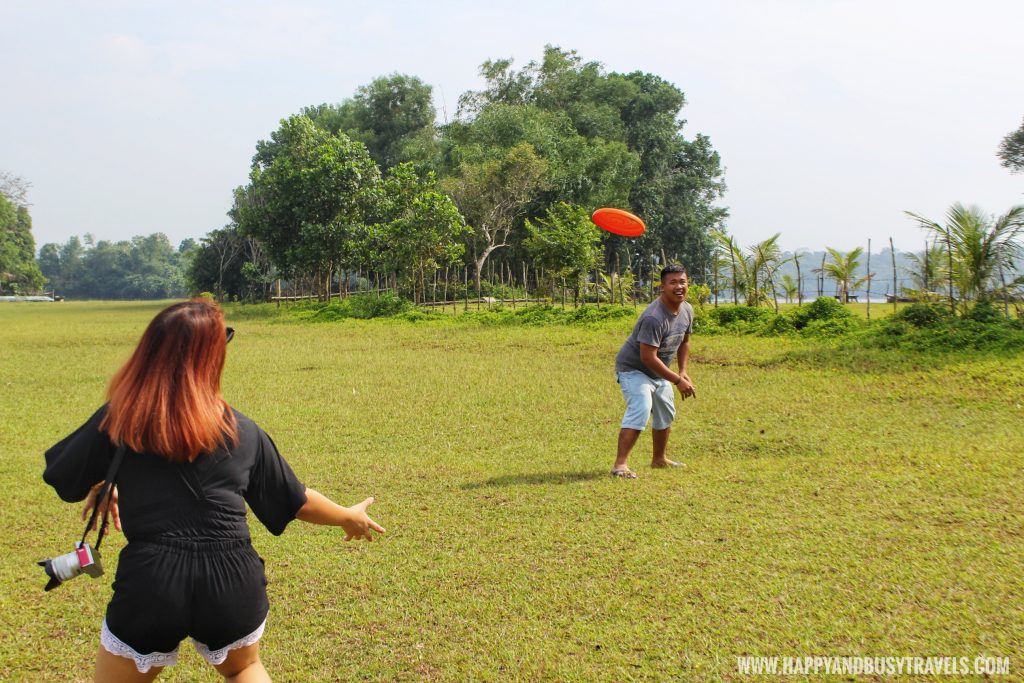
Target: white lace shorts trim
144,663
218,656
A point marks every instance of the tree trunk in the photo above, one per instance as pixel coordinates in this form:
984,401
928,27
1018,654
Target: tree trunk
895,291
869,278
799,282
949,252
735,286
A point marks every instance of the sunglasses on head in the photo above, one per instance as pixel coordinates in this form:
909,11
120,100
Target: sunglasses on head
231,333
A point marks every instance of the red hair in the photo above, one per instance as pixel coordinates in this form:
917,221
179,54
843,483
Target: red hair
166,399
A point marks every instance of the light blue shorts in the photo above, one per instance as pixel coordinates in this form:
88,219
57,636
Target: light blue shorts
646,397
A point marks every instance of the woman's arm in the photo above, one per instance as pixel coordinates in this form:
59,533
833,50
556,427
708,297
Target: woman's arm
319,509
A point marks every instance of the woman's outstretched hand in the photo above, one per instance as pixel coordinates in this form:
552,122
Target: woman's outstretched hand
319,509
110,504
360,525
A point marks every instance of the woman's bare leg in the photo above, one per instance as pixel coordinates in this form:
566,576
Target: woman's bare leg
111,668
243,665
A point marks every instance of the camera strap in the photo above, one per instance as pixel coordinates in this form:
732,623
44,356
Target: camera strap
107,491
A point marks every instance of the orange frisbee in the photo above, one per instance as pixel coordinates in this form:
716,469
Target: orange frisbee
618,222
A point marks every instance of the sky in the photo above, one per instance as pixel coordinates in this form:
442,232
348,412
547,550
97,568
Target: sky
832,118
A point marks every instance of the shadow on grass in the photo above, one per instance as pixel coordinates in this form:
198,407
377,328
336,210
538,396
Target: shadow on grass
535,478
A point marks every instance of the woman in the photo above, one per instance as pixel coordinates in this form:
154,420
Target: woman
192,464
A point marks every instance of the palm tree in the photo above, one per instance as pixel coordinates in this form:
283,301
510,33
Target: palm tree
765,258
979,247
927,272
789,288
843,269
738,263
752,273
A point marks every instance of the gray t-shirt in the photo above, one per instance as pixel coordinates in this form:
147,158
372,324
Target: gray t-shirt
655,327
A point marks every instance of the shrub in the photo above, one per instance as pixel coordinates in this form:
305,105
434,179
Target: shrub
985,312
821,309
830,327
544,314
361,306
920,330
730,315
921,315
780,324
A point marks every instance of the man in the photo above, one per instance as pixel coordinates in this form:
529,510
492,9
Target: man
642,368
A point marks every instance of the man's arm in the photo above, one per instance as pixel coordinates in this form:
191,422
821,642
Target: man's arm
683,356
649,357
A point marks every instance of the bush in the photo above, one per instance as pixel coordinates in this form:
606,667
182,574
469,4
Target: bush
921,330
731,315
779,325
985,312
544,314
922,315
361,306
821,309
830,327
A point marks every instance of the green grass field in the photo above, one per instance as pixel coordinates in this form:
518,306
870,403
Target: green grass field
833,503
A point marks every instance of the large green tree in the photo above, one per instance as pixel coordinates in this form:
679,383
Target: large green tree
493,196
309,192
608,138
417,229
19,272
565,242
393,116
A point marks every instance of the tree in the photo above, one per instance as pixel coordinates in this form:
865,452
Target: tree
420,225
926,272
226,245
738,267
765,257
61,265
565,243
789,288
14,188
393,116
308,191
979,246
141,268
1011,150
19,272
625,126
212,269
493,194
752,273
843,270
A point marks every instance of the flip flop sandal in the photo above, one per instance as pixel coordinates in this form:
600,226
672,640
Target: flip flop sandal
624,472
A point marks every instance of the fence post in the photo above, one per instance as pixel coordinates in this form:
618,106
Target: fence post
895,289
869,279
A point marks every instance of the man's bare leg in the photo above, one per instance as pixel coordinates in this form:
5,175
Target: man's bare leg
627,439
660,438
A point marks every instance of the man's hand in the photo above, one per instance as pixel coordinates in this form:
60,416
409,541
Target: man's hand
110,504
686,389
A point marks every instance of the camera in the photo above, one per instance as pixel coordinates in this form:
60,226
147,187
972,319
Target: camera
82,560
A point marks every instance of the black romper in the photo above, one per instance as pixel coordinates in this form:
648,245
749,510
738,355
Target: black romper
188,568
